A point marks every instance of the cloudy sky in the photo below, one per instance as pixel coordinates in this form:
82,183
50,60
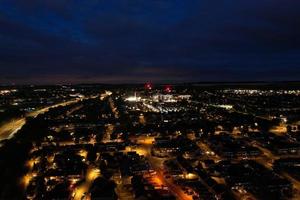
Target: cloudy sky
115,41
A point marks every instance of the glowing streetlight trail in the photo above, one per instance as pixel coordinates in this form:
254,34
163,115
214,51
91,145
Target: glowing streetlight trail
10,128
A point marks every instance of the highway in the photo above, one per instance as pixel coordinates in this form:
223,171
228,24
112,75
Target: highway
8,130
11,127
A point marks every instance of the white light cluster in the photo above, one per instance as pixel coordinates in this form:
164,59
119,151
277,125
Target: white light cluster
133,99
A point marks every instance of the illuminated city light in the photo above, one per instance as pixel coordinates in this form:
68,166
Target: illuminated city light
148,86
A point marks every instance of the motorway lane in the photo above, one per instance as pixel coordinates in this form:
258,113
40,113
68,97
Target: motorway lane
8,130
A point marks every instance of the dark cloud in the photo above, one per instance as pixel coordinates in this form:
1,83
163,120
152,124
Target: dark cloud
135,41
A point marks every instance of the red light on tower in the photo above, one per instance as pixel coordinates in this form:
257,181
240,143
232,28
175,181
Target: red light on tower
168,88
148,86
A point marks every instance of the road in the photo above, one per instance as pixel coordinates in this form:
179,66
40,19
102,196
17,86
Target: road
156,164
8,130
113,108
82,191
267,162
237,111
109,129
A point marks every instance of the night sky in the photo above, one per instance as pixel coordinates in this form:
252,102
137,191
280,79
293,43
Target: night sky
110,41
